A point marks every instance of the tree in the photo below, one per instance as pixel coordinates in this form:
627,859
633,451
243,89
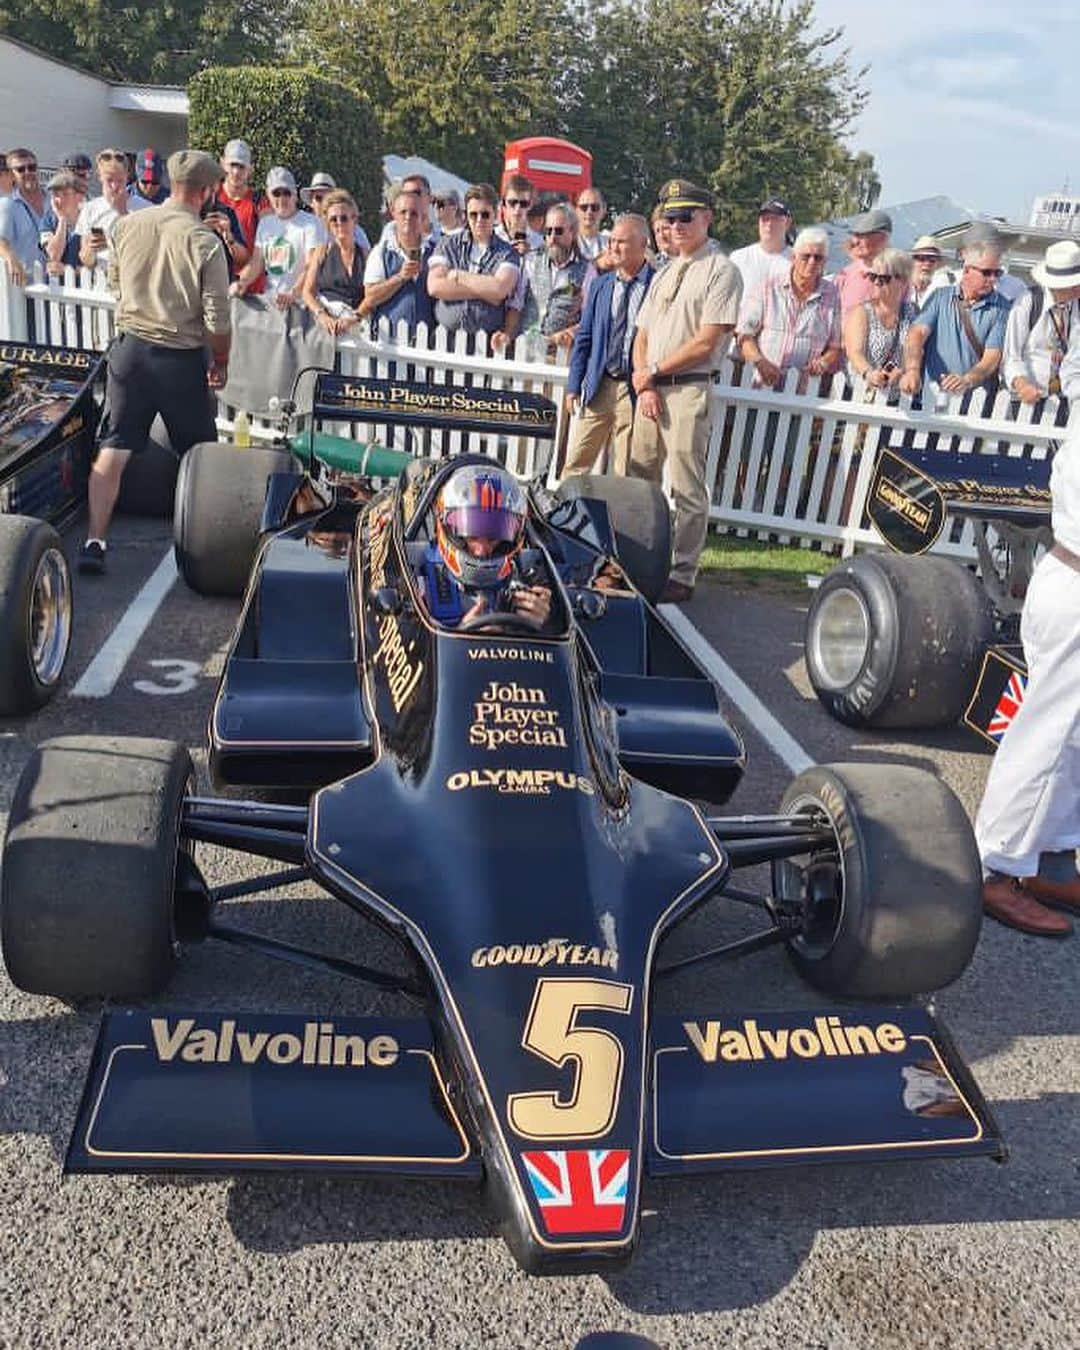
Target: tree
449,79
142,40
740,95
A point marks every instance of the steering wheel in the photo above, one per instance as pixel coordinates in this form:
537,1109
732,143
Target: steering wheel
514,622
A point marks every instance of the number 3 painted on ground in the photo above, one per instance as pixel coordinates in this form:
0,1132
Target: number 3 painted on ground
551,1031
181,679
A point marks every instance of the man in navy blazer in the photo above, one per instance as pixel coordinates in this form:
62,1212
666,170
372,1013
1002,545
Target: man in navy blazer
599,379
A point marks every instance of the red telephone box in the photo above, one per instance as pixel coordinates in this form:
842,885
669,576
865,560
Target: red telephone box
550,164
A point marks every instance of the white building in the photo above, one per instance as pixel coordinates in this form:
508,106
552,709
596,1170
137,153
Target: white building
55,109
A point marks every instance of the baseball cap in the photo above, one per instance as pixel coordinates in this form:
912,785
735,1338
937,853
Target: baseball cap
680,192
279,177
63,179
194,167
871,222
77,162
150,166
774,207
320,182
237,152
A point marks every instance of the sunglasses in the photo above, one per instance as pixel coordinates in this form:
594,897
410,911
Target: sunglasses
554,229
23,168
682,216
880,278
519,201
478,215
987,272
116,155
281,192
589,206
441,202
926,257
317,194
339,220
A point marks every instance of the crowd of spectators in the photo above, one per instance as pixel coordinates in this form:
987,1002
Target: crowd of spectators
576,278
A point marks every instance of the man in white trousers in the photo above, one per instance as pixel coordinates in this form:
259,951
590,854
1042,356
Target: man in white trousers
1032,800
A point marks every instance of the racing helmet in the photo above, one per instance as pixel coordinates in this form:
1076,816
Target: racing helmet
486,503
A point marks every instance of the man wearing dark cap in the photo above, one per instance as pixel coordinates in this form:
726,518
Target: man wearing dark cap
171,280
770,256
684,326
81,165
869,234
149,185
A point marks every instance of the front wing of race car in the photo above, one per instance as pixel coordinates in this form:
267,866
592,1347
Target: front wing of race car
189,1091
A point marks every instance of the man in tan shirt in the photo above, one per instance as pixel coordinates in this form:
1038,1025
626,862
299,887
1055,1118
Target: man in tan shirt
683,329
171,279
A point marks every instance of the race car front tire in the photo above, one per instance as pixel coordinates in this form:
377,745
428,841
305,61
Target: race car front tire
220,492
641,519
35,614
894,641
895,908
89,867
148,487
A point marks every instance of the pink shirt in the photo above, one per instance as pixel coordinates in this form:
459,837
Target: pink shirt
854,286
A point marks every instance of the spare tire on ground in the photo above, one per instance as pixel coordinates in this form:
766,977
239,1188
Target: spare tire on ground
148,487
894,641
641,519
220,492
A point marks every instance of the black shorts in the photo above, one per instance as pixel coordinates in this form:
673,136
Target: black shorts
146,379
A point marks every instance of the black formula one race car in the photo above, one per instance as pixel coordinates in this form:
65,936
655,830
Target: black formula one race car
520,810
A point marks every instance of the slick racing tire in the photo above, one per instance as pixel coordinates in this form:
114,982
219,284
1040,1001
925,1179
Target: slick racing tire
89,867
35,614
894,909
148,486
893,641
220,492
641,520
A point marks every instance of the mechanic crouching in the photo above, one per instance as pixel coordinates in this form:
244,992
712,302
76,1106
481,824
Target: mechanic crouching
171,280
474,567
1031,805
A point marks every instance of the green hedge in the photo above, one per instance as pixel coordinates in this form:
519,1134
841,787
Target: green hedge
295,118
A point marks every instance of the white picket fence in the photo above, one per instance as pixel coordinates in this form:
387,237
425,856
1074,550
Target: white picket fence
784,464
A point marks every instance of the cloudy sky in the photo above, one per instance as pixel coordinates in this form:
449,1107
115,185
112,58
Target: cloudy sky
975,100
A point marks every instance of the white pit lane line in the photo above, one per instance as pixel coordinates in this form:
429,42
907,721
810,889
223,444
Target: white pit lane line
780,741
99,678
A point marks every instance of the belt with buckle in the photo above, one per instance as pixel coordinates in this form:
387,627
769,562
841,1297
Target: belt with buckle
691,377
1067,556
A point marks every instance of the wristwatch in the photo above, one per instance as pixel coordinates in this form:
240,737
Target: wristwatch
654,370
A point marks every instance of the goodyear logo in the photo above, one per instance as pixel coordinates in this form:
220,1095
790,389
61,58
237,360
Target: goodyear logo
226,1043
894,497
553,952
827,1036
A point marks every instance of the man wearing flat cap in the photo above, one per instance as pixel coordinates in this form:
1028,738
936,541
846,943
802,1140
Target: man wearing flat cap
868,234
684,327
171,280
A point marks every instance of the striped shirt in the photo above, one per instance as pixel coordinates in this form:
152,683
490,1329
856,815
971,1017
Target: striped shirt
789,331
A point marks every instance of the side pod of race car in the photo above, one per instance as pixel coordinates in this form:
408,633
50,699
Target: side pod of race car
517,808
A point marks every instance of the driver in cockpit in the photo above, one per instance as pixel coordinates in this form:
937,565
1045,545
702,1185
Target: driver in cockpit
474,567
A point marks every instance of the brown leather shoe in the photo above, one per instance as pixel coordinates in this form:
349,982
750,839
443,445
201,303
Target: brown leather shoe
1007,900
1064,894
675,593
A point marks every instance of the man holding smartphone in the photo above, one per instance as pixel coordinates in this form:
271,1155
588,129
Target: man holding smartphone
171,281
98,216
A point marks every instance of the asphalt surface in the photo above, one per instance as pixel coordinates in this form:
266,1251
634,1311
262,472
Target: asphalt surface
943,1253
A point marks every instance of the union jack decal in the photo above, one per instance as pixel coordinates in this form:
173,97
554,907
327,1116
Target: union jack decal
580,1190
1008,705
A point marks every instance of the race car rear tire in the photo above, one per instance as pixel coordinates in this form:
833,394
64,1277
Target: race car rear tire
895,909
641,519
148,487
220,492
36,614
89,867
893,641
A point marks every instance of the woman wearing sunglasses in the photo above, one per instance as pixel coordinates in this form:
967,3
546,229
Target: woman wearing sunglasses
333,284
876,330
